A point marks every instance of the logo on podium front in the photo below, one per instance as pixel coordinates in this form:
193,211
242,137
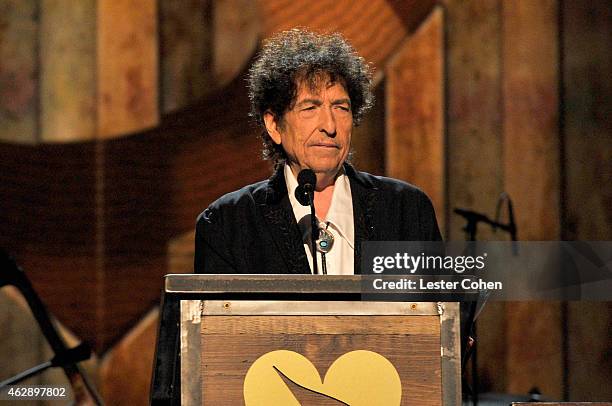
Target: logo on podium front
357,378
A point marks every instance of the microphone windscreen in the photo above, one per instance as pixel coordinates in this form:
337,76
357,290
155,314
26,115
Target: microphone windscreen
302,196
307,177
306,185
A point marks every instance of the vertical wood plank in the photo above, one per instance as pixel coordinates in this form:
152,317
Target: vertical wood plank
491,331
236,36
474,131
204,45
125,372
534,352
532,178
588,119
587,63
368,139
127,66
531,142
186,51
18,71
181,250
67,70
590,345
415,111
474,146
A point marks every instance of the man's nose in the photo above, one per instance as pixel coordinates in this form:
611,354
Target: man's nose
328,122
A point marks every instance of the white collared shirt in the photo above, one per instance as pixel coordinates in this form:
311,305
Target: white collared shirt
339,222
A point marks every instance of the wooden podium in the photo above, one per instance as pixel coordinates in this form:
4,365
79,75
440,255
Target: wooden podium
301,340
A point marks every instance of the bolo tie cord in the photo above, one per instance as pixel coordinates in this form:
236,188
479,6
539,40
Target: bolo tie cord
323,262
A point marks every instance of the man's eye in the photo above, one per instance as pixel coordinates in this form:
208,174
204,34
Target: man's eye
309,108
344,108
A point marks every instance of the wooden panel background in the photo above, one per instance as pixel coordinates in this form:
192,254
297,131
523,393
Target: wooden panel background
532,160
67,71
474,148
415,111
231,344
587,145
474,116
18,66
185,52
531,120
236,38
204,45
122,372
368,141
374,27
127,66
526,98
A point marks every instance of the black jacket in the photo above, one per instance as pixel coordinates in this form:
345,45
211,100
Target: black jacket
253,230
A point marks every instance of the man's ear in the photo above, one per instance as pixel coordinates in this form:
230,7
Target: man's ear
272,127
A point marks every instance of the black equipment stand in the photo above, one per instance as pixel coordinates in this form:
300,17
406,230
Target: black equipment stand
471,230
66,358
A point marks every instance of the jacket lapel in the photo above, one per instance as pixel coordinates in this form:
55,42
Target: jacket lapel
278,214
364,196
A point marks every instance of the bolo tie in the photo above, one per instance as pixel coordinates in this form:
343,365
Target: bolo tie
324,244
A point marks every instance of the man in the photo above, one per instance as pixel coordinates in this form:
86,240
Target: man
308,91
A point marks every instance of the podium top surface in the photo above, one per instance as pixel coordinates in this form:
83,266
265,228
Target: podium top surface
281,283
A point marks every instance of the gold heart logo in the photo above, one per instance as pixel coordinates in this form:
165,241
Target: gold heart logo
356,378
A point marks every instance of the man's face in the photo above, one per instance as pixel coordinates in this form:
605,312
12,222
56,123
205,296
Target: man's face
316,132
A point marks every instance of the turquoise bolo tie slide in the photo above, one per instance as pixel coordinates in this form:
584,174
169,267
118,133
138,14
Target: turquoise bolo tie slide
325,241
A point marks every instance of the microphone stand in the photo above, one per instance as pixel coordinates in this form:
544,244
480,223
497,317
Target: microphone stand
314,233
84,391
77,354
304,194
471,228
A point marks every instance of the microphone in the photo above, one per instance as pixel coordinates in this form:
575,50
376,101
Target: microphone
512,224
304,193
472,215
512,227
307,182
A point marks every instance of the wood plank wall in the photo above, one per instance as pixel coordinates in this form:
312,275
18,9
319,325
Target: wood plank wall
531,157
67,70
185,52
524,107
415,111
236,25
372,26
474,116
549,146
204,45
18,66
127,66
587,145
368,141
474,149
